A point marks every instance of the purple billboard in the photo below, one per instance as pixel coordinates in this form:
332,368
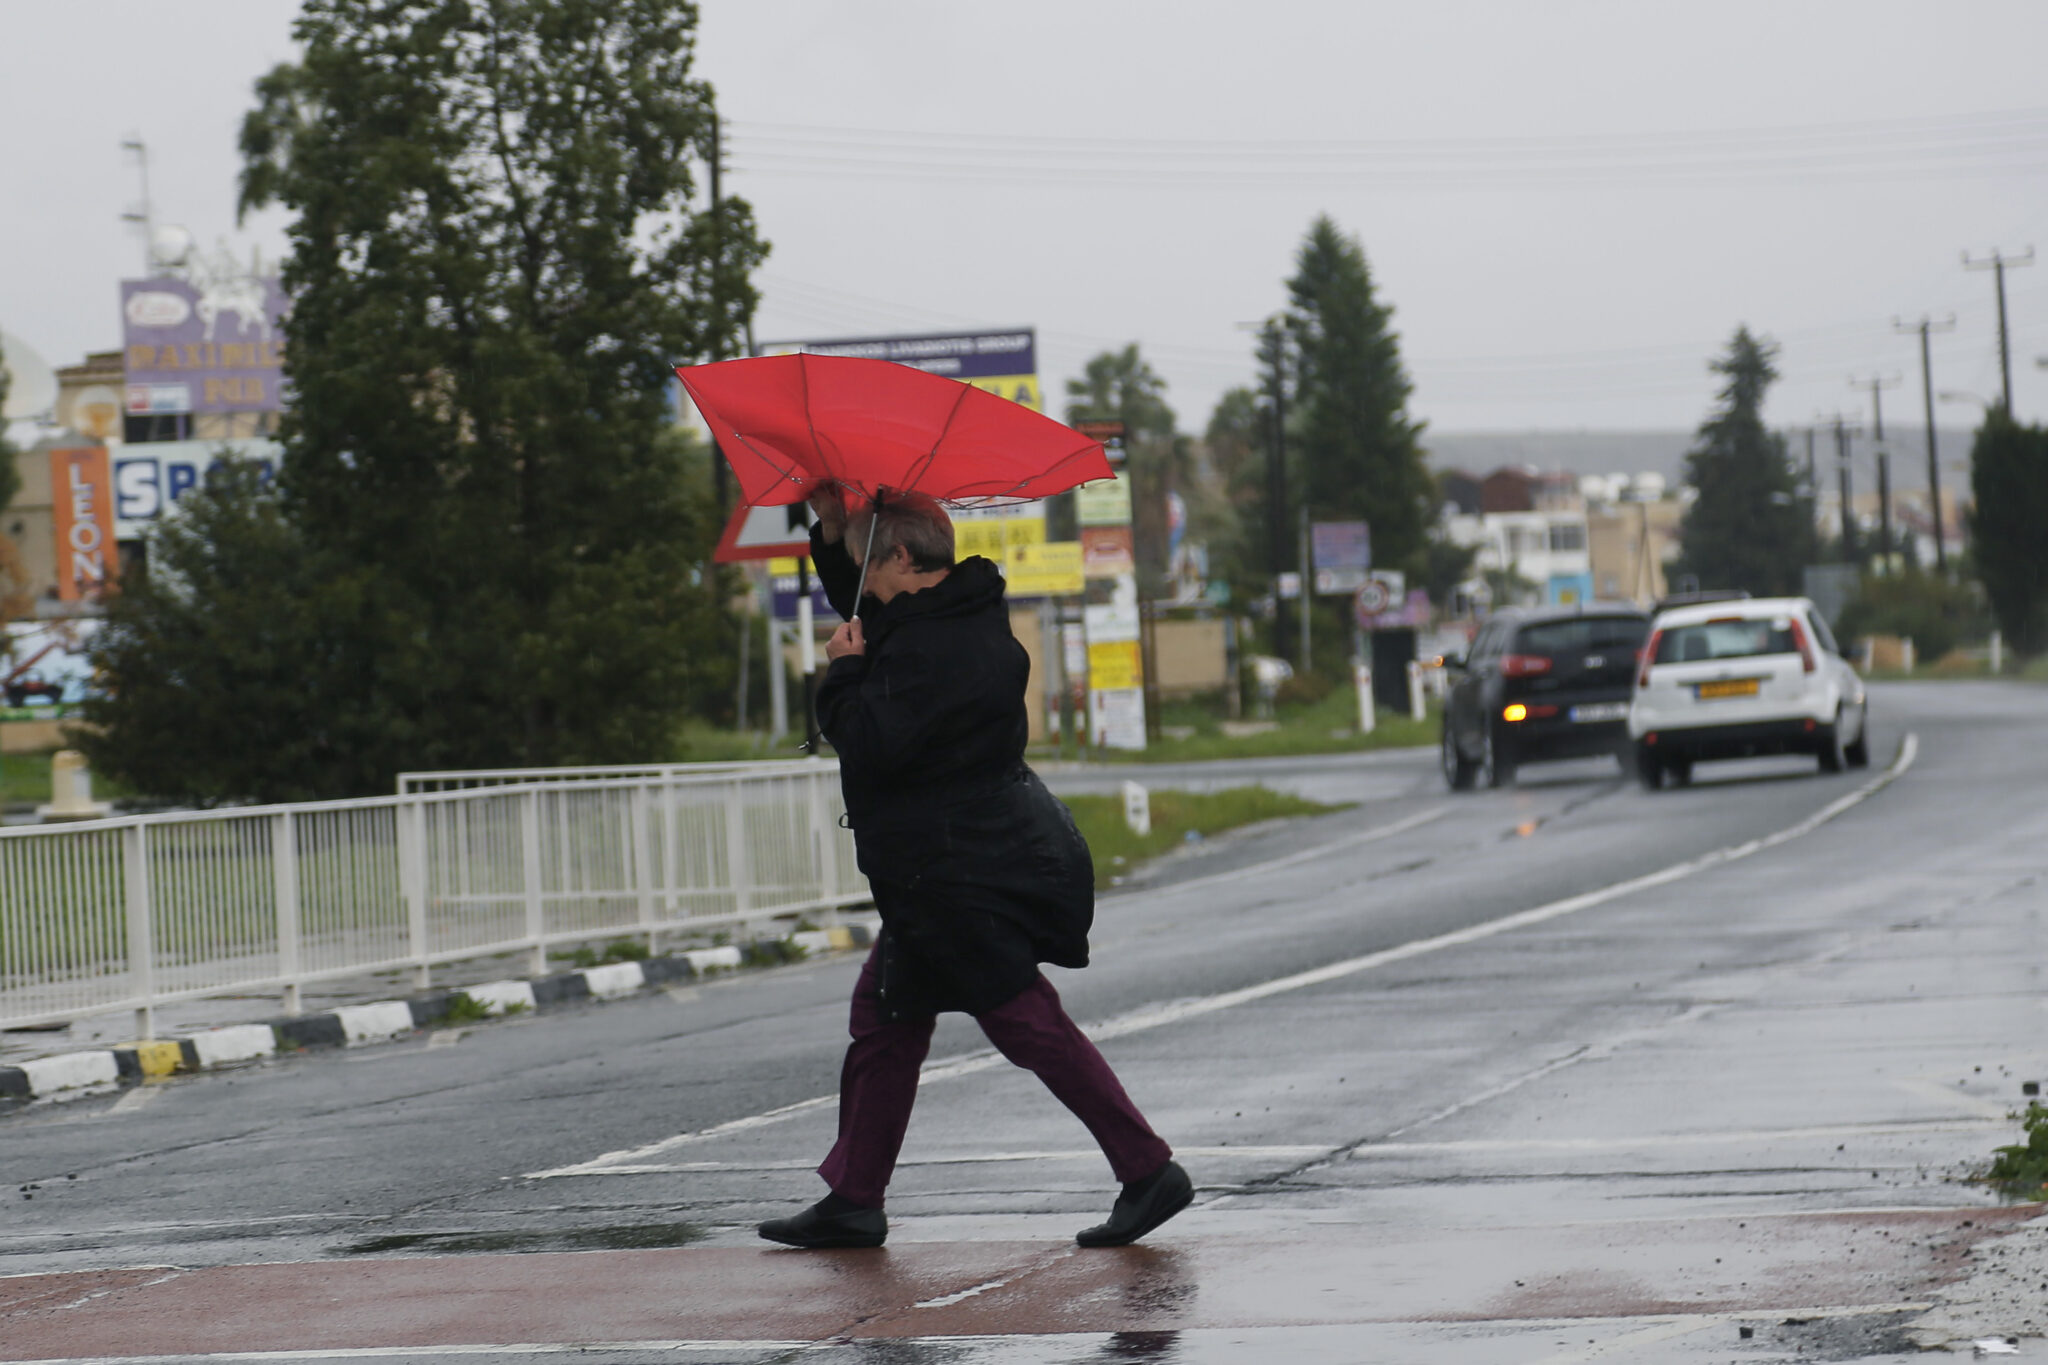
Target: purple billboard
205,344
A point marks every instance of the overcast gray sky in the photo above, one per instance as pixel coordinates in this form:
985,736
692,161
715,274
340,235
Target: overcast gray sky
1568,205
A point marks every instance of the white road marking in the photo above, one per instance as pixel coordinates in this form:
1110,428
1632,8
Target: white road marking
633,1160
446,1037
1248,1153
1370,836
948,1300
139,1098
516,1348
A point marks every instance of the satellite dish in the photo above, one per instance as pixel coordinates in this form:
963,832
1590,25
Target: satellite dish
170,246
33,387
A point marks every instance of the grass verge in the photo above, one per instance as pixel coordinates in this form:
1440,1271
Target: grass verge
2021,1170
1326,726
1175,815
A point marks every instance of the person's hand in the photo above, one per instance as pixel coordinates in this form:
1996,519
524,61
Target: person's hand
829,502
846,640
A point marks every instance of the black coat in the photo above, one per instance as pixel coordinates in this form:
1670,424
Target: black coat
977,869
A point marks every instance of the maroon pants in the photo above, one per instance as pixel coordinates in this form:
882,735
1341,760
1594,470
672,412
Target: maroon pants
878,1085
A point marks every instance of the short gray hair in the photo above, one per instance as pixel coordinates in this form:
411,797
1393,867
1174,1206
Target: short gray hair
912,520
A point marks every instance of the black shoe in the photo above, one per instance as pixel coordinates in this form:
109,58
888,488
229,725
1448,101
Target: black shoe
813,1229
1143,1206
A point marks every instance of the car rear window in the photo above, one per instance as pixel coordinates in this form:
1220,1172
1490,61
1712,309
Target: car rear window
1582,635
1731,639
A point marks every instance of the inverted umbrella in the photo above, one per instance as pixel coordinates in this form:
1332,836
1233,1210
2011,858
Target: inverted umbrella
788,423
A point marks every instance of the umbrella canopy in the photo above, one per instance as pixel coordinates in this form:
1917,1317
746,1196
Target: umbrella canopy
790,422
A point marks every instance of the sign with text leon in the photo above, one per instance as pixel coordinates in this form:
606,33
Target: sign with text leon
82,494
1004,362
211,347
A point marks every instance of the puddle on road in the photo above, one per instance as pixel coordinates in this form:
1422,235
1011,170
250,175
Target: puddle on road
637,1237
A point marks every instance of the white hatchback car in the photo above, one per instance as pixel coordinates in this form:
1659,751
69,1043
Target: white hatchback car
1737,679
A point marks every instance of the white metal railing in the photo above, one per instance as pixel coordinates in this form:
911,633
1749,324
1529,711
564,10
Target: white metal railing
137,911
462,779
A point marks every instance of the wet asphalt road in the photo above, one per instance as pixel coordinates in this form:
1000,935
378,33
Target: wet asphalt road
1686,1101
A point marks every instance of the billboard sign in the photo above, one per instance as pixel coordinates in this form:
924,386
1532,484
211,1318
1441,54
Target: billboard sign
82,494
1341,544
208,344
151,476
1003,361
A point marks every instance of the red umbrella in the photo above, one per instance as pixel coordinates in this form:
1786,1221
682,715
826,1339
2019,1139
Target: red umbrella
790,422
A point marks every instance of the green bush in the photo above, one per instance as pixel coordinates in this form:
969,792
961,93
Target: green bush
1936,613
2022,1169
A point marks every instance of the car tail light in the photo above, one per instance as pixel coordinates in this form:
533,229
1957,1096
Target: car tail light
1805,649
1522,665
1513,712
1648,655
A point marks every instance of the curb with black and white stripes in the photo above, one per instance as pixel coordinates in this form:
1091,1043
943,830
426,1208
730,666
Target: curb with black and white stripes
74,1074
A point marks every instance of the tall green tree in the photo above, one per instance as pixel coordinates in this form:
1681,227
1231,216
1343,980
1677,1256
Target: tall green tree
1122,386
2009,489
1358,450
14,599
498,250
1748,527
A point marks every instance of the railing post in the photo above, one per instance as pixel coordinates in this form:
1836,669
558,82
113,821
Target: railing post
824,844
737,864
284,874
141,931
529,856
640,812
412,885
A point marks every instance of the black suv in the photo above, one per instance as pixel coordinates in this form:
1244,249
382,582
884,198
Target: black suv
1541,682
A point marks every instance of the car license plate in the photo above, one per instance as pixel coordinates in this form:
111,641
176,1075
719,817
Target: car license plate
1728,687
1606,710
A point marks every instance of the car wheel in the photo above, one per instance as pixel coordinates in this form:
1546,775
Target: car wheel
1858,754
1498,764
1649,768
1830,752
1681,772
1458,769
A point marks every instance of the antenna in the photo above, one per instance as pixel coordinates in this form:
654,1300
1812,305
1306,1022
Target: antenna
143,215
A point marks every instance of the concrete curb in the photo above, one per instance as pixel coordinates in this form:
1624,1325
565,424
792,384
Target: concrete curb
71,1075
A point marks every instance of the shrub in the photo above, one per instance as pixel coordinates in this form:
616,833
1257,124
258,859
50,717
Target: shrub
1936,613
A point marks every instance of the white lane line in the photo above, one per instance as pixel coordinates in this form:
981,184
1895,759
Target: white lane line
515,1348
139,1098
1246,1153
1179,1011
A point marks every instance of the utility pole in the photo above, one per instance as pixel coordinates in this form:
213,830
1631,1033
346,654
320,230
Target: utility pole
1877,384
1844,429
1925,326
1276,480
1996,263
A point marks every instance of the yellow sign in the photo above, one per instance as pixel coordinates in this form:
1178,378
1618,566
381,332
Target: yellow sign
995,537
1114,664
786,568
1045,569
1018,388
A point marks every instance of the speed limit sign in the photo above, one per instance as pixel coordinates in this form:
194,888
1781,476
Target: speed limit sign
1372,598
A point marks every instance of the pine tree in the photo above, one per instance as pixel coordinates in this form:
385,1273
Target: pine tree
497,253
1748,528
1358,451
1122,386
2009,489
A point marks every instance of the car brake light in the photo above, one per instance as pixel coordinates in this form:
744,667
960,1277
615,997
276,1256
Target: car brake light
1805,649
1522,665
1648,654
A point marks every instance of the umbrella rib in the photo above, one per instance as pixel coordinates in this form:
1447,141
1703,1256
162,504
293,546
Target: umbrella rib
910,484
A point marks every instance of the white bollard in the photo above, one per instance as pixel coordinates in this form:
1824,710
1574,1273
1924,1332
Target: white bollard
1906,654
1138,809
1415,707
71,790
1997,652
1361,678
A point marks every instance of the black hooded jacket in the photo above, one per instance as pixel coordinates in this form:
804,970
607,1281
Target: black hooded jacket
977,869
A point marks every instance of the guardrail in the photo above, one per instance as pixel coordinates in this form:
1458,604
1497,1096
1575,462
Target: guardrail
138,911
463,779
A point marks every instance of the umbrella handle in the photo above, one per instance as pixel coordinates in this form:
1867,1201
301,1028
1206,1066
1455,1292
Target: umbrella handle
862,587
